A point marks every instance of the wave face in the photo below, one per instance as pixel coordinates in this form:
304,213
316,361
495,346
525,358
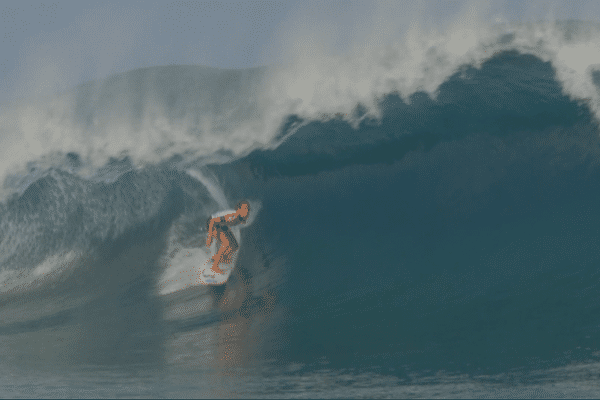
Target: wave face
457,234
447,238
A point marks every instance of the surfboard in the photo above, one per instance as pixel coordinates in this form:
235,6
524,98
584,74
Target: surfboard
206,275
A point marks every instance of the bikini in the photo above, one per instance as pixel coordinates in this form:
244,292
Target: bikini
225,229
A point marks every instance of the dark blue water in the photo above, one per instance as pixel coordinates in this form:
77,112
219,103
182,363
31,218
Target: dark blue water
456,235
464,237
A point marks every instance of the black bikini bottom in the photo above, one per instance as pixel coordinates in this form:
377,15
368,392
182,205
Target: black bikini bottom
232,242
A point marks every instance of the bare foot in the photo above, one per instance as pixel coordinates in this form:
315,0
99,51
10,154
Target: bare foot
217,270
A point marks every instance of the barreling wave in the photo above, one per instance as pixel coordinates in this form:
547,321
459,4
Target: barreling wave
412,196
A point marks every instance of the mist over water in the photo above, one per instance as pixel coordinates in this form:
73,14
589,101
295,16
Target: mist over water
424,221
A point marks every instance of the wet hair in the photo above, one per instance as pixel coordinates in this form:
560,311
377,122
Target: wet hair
239,205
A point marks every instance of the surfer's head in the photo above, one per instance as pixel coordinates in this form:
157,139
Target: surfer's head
243,208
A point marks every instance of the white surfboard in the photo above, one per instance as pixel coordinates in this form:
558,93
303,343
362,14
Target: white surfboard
206,275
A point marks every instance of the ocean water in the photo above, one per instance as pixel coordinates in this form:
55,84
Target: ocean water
424,224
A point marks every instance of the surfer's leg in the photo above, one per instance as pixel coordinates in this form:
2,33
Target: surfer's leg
217,260
231,248
219,256
227,257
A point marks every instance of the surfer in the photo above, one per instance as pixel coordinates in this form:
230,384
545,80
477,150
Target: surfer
219,228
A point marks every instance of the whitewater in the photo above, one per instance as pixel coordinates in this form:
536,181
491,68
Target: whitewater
424,223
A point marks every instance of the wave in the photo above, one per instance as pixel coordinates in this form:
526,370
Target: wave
152,114
432,203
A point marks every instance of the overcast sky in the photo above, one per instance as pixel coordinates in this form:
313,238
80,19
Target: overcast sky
51,46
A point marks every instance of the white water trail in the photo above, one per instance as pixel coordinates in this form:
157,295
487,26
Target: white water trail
215,191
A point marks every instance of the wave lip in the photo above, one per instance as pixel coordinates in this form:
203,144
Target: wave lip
153,114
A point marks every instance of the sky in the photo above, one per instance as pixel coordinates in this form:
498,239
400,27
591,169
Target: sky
51,46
